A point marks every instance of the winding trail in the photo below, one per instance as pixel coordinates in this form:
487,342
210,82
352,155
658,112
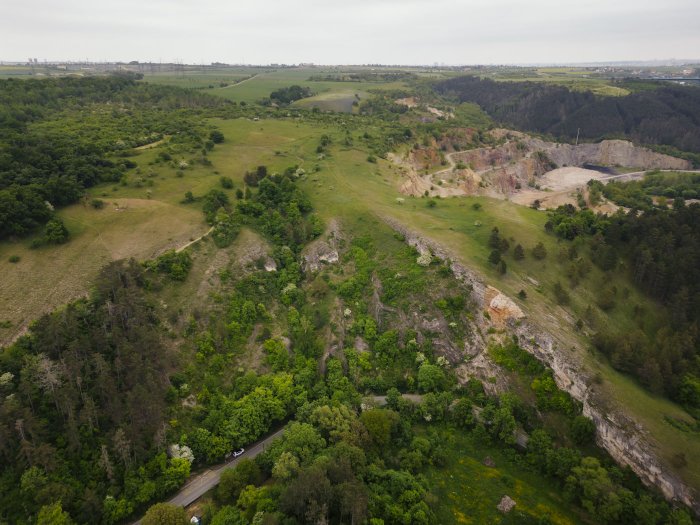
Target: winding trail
241,82
185,246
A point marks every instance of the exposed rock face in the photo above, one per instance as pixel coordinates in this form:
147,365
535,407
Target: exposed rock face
500,307
506,504
523,158
361,345
609,153
324,250
624,439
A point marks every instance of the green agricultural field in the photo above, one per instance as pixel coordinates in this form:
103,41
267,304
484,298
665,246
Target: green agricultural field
341,101
204,79
577,79
265,83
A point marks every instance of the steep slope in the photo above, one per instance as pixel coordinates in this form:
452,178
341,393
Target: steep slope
623,438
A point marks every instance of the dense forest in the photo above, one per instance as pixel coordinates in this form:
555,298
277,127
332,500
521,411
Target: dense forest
61,136
668,115
660,249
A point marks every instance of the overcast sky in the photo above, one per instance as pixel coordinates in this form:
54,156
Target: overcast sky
350,31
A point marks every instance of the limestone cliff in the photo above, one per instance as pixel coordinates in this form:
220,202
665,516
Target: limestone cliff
524,158
624,439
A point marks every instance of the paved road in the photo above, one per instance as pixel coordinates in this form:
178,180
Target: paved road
198,485
413,398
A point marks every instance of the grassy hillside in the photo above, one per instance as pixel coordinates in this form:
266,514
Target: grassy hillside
147,212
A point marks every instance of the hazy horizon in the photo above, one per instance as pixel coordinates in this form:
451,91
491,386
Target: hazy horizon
411,32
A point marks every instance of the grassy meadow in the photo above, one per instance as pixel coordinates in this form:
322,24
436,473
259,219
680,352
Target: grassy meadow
469,491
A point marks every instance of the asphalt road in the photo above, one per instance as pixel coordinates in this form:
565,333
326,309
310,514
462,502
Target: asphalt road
203,482
198,485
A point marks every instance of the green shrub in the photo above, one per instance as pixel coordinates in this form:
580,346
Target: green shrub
216,136
173,264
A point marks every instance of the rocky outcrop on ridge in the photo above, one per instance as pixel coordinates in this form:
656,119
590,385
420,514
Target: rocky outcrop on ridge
624,439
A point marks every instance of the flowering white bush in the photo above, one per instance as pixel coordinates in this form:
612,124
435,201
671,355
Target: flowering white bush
400,200
424,259
347,312
183,165
420,357
442,361
6,378
289,288
181,451
453,325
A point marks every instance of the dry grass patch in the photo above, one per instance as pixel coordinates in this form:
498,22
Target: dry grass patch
49,277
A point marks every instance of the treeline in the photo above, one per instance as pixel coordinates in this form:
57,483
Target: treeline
384,76
290,94
61,136
660,249
83,405
666,187
668,115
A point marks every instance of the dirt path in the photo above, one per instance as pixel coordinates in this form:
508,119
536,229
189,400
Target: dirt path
184,246
241,82
152,144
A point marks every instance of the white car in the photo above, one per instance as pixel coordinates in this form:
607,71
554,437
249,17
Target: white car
238,453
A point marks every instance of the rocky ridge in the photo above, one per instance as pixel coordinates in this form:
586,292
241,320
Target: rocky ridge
622,437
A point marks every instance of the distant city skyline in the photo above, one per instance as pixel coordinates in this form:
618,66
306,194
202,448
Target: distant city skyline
399,32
